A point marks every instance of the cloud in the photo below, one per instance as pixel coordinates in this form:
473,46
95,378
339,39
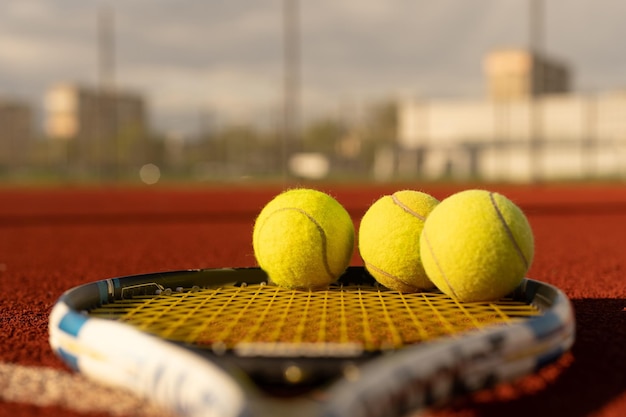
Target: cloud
227,55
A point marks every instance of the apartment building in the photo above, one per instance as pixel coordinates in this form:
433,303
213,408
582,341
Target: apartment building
79,113
16,132
522,130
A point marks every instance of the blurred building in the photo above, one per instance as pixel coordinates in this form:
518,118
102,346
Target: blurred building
16,132
74,112
513,74
103,127
512,135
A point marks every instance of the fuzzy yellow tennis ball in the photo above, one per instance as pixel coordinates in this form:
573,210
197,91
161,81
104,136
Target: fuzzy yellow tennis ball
389,239
477,246
303,238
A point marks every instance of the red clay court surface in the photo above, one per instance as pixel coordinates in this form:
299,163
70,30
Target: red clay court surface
54,239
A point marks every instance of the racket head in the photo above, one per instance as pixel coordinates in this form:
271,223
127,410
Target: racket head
278,362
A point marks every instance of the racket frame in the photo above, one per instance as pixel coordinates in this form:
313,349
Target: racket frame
184,380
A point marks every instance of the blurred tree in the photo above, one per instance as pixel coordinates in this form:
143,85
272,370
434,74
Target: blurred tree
322,136
381,122
378,131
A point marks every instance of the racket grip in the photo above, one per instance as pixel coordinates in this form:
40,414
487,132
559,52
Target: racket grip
119,356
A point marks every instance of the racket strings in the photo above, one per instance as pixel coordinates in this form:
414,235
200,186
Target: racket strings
372,317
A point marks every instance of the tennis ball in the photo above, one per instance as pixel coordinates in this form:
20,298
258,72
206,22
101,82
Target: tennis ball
303,238
389,240
477,246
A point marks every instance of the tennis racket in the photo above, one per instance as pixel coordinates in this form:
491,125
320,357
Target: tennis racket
224,342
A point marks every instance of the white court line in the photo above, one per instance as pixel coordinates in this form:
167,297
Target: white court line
46,387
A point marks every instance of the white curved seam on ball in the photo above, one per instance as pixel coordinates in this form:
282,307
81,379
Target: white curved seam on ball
443,274
388,275
322,234
406,208
508,230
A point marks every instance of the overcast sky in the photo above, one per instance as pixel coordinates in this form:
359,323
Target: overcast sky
225,56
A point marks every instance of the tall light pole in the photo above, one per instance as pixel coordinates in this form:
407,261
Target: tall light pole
106,121
291,82
536,40
106,49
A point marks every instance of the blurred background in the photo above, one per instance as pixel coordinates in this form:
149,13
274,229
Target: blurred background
157,91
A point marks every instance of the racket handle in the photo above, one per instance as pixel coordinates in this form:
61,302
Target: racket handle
120,356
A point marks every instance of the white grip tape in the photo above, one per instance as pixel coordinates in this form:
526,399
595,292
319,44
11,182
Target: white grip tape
122,356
